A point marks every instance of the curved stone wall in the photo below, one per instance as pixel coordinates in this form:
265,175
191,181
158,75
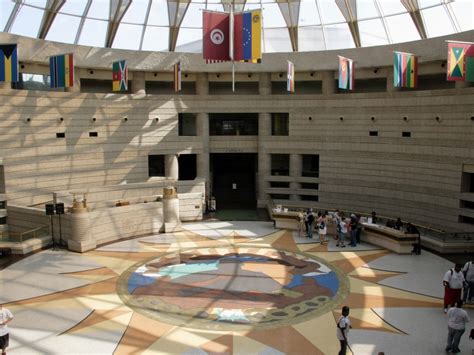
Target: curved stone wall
418,178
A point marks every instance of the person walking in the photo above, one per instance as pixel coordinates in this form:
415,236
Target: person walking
457,319
468,271
5,317
453,282
343,326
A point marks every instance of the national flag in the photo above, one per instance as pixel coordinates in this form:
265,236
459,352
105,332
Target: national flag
460,61
61,69
215,34
9,62
177,76
120,75
290,78
405,70
346,73
248,35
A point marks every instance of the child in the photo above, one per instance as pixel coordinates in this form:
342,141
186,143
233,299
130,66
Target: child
343,326
5,318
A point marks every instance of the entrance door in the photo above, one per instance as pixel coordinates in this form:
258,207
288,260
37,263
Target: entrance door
233,180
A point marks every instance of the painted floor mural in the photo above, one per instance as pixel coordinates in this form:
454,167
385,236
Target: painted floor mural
225,288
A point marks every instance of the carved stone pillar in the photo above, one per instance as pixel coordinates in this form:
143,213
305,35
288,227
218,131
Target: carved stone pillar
171,221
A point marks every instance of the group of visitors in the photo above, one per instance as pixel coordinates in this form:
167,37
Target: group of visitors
306,223
458,285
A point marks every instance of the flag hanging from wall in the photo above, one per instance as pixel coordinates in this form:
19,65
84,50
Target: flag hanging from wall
9,62
61,69
460,61
290,77
247,37
215,36
346,73
405,70
177,76
120,75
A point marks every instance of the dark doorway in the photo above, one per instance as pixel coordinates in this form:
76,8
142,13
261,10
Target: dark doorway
233,180
187,166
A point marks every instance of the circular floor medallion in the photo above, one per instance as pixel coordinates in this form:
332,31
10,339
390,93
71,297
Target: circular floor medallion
232,288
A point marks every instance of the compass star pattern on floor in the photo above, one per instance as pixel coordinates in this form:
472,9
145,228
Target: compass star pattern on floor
224,287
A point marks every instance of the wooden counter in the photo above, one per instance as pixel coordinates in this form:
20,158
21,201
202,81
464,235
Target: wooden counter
388,238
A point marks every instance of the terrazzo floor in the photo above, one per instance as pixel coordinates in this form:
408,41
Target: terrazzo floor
226,288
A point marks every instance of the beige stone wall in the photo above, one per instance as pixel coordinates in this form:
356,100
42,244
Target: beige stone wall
416,178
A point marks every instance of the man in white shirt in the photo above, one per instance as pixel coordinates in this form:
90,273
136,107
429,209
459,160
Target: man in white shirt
453,282
457,319
5,318
468,271
343,326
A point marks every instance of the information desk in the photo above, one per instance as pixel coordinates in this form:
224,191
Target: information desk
388,238
286,220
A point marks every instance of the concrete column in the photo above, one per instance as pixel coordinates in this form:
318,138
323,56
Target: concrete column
202,84
265,84
202,125
171,221
296,165
138,83
329,84
77,82
264,162
171,166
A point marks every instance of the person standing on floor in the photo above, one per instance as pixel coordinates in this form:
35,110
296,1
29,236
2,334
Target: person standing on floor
322,228
453,282
343,326
468,271
5,317
353,230
457,319
301,222
310,221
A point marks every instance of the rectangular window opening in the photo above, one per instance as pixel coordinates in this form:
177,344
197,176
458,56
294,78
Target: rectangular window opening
373,133
406,134
93,134
60,135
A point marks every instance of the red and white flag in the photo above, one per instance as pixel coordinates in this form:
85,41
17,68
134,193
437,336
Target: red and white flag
215,36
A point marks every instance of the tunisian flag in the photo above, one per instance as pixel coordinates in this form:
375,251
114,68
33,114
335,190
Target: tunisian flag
215,36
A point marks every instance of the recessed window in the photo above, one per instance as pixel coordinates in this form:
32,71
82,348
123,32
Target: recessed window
309,186
233,124
3,205
3,220
466,219
61,135
93,134
467,204
406,134
467,182
373,133
280,164
279,184
310,165
280,123
279,197
309,197
187,124
156,165
187,166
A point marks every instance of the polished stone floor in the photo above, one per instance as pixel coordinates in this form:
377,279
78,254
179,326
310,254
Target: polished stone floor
226,288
